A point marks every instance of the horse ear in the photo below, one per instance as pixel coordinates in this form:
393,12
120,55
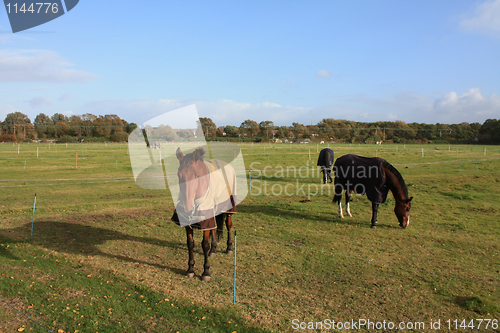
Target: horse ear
409,200
179,154
198,154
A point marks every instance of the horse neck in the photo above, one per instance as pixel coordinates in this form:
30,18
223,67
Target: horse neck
395,186
203,180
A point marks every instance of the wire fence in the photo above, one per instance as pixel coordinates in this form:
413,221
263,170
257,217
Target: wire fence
25,315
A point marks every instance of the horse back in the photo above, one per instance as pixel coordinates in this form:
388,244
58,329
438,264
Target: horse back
363,175
325,157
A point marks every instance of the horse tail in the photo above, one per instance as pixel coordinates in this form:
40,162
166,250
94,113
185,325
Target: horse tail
220,225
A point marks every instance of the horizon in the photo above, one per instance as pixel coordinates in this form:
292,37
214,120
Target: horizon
424,62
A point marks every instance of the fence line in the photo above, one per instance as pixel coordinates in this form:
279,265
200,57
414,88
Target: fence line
24,314
125,179
30,185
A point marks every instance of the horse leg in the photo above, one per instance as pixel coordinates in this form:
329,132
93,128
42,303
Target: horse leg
330,176
190,245
229,224
347,200
205,244
213,247
374,215
324,176
341,214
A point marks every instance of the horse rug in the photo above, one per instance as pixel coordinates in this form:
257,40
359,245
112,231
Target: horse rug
325,160
363,175
219,198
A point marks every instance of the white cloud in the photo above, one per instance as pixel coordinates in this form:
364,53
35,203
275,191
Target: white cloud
38,88
486,18
39,66
222,112
470,105
5,110
65,97
40,101
4,39
323,73
449,108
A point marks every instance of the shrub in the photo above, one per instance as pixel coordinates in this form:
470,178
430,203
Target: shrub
8,138
67,139
119,137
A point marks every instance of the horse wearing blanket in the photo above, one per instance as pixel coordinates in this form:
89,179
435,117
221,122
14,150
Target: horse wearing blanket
207,197
373,177
325,161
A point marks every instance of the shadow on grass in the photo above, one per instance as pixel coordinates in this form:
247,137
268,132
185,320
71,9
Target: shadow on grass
321,216
76,238
476,304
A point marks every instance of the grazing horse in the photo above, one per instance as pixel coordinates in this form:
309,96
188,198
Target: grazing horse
325,161
373,177
206,198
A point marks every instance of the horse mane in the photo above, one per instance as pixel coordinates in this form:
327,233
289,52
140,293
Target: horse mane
396,173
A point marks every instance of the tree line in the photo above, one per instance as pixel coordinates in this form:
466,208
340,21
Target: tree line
18,127
346,131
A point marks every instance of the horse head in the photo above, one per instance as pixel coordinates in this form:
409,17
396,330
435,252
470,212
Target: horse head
193,182
402,211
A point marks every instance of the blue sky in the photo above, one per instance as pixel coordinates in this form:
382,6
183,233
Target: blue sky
285,61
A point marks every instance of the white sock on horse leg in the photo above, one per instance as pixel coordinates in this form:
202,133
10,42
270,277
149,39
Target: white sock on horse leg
341,215
348,210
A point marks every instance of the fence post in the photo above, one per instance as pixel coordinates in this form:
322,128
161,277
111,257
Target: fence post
33,221
76,160
234,288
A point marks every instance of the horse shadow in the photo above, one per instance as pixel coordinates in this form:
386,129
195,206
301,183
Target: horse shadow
73,238
293,214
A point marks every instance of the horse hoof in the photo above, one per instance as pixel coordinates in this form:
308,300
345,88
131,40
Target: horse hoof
229,251
190,275
374,226
205,278
212,254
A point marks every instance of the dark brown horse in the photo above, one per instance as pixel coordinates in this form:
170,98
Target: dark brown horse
373,177
201,183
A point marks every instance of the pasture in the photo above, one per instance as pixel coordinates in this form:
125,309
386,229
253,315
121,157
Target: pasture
105,256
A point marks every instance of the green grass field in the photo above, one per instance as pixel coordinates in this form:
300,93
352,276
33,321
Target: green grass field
105,256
